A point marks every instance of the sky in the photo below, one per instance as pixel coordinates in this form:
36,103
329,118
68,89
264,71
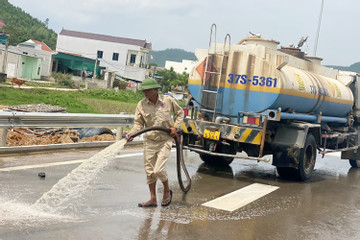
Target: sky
185,24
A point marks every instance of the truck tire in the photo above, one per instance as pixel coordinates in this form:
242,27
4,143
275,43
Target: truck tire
354,163
306,159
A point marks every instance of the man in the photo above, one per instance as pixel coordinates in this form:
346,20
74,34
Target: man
156,110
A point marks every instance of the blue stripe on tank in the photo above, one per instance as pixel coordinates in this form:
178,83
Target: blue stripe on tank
231,101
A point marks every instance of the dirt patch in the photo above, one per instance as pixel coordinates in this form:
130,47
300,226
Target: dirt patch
99,138
26,137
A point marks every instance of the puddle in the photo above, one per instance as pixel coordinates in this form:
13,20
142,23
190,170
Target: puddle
65,194
25,215
62,202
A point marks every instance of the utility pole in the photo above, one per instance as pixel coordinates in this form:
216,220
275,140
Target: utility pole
3,74
5,56
318,29
96,61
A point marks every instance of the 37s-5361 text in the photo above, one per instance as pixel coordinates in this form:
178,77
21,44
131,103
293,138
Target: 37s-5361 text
254,80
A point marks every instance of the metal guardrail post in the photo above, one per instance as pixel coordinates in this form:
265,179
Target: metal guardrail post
3,134
119,133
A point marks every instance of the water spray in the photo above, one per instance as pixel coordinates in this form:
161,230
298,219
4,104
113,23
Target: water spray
179,156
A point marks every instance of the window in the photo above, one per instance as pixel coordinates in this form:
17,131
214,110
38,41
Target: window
100,54
115,57
132,58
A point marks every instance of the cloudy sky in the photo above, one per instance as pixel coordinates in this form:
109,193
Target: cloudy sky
186,24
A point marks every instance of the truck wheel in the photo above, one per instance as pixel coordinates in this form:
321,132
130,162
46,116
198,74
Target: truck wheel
306,159
354,163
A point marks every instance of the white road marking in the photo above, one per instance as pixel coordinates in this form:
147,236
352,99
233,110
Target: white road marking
42,165
9,169
241,197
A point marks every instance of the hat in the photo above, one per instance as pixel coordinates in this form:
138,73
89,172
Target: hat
149,83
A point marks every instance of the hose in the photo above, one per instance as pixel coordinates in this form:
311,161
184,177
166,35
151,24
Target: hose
179,156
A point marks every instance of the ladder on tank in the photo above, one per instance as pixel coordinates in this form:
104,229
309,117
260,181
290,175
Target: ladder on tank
210,73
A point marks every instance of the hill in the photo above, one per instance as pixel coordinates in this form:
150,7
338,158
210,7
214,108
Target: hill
352,68
21,26
172,54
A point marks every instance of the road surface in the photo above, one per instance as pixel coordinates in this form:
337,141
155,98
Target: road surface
246,200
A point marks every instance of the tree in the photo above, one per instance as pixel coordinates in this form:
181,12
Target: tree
169,78
21,26
181,80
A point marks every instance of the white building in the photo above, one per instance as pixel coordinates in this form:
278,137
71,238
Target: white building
180,67
40,50
125,56
19,63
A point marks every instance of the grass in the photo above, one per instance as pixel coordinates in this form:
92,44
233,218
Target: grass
109,106
81,101
34,84
88,101
15,96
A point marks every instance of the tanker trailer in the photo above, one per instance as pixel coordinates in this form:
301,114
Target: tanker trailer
261,99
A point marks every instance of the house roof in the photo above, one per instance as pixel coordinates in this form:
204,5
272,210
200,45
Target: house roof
19,51
43,45
107,38
75,61
73,54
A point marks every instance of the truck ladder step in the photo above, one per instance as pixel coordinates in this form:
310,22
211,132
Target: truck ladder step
217,73
216,54
209,91
207,110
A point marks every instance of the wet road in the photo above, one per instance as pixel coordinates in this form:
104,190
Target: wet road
326,207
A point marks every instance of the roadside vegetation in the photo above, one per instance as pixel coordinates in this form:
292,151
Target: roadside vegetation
82,101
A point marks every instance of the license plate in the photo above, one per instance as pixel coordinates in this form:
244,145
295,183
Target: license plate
213,135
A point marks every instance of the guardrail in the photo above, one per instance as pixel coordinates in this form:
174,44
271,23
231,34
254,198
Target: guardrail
34,119
25,119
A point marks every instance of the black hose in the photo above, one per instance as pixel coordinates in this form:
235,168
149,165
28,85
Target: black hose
179,156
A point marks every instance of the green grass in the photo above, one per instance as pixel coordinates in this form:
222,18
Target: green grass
81,101
109,106
44,84
34,84
87,101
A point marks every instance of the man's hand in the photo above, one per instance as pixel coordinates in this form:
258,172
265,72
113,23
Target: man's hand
128,138
173,131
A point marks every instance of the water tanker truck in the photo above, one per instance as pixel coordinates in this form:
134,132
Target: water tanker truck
262,99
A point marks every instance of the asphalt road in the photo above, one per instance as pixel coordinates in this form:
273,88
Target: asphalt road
105,207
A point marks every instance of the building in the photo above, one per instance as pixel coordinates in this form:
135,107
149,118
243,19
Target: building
125,56
180,67
41,50
74,63
20,64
